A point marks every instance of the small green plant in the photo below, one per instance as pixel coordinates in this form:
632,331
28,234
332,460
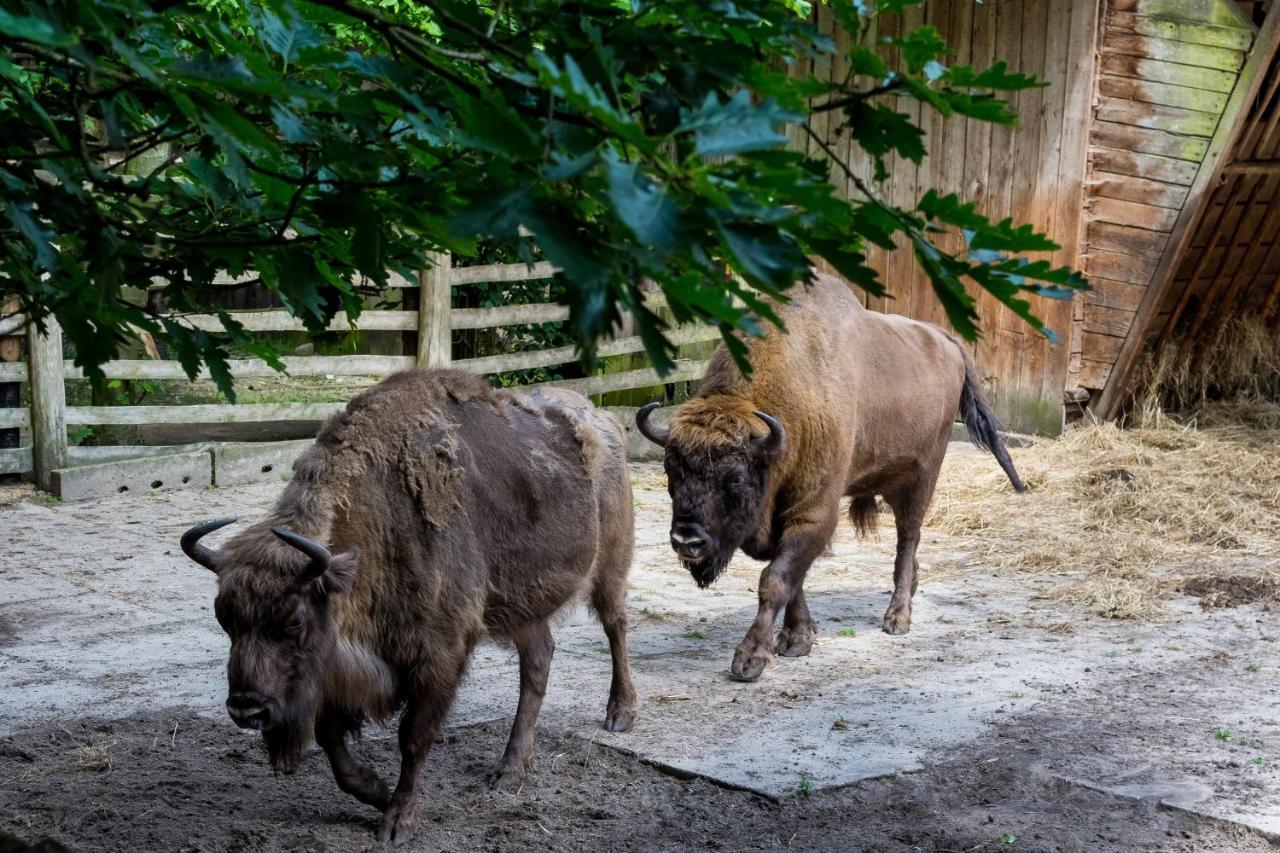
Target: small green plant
600,650
1114,653
1250,742
806,785
846,632
840,725
694,634
1252,667
1009,838
1222,734
1259,761
1017,694
79,436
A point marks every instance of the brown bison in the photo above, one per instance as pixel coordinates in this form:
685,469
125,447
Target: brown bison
451,511
846,402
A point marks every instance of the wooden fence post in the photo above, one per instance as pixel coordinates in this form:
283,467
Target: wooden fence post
48,402
435,332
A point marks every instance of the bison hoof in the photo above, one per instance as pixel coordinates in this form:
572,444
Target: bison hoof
399,822
620,719
749,661
897,620
506,779
796,642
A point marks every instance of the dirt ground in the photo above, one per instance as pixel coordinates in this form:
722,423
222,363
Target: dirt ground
1007,719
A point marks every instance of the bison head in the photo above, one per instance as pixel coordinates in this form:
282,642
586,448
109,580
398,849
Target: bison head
717,467
273,602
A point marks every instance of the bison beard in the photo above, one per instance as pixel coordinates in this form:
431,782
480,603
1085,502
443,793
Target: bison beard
706,571
287,740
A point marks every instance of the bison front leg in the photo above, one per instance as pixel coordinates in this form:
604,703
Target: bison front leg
779,582
357,779
419,725
535,646
799,631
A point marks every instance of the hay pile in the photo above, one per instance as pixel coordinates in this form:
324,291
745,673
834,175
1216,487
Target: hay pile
1128,513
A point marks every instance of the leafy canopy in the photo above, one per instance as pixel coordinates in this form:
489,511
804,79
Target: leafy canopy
316,145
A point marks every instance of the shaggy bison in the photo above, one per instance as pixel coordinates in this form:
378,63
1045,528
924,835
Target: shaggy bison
846,402
451,511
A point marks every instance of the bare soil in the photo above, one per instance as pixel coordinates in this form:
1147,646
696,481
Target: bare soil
167,782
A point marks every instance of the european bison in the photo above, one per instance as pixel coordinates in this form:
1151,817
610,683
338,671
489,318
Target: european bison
453,511
858,404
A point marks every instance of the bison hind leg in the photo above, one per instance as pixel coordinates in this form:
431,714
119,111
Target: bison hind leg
536,646
609,601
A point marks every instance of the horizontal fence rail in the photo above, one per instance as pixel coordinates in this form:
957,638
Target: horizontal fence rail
434,321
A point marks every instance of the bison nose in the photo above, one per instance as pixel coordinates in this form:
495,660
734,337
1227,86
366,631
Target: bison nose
688,540
249,710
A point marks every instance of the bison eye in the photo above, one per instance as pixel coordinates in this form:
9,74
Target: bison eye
295,626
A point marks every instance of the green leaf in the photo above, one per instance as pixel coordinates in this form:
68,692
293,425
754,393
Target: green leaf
735,126
490,125
642,204
27,28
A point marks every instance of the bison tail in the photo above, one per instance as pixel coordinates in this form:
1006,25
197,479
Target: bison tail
981,422
863,513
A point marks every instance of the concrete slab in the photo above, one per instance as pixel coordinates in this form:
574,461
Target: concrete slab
134,476
255,462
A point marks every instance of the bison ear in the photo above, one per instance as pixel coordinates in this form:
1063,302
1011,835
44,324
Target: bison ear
341,574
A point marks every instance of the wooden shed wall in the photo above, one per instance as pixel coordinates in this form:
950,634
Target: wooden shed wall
1166,72
1033,173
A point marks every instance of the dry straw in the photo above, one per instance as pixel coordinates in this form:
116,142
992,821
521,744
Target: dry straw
1129,512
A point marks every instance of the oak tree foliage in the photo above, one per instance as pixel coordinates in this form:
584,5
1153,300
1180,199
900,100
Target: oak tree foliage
316,145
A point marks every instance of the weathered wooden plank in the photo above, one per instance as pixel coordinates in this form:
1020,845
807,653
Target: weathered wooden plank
1235,38
201,414
685,371
1125,240
1172,119
564,355
1182,52
508,315
1142,140
15,460
313,365
283,321
1149,92
1132,213
48,402
1114,294
488,273
1150,166
19,418
1220,13
1123,268
1107,320
13,325
1140,190
1094,373
1209,79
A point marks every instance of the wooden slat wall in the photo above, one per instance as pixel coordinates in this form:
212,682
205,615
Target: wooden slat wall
1230,267
1166,70
1033,173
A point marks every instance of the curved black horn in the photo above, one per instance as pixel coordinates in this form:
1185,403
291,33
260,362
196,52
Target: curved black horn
201,553
319,554
653,432
777,433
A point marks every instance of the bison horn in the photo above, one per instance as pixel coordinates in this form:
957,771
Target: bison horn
201,553
320,556
777,433
656,434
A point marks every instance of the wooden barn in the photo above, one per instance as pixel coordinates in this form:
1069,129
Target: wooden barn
1152,158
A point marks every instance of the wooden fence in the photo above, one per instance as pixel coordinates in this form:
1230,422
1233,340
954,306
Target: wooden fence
48,416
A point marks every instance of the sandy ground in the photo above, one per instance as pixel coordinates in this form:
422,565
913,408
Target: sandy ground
1004,721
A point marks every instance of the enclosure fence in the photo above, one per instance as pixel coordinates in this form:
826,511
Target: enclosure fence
47,417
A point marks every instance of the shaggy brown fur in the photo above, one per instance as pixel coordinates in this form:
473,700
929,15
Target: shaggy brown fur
455,511
867,401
